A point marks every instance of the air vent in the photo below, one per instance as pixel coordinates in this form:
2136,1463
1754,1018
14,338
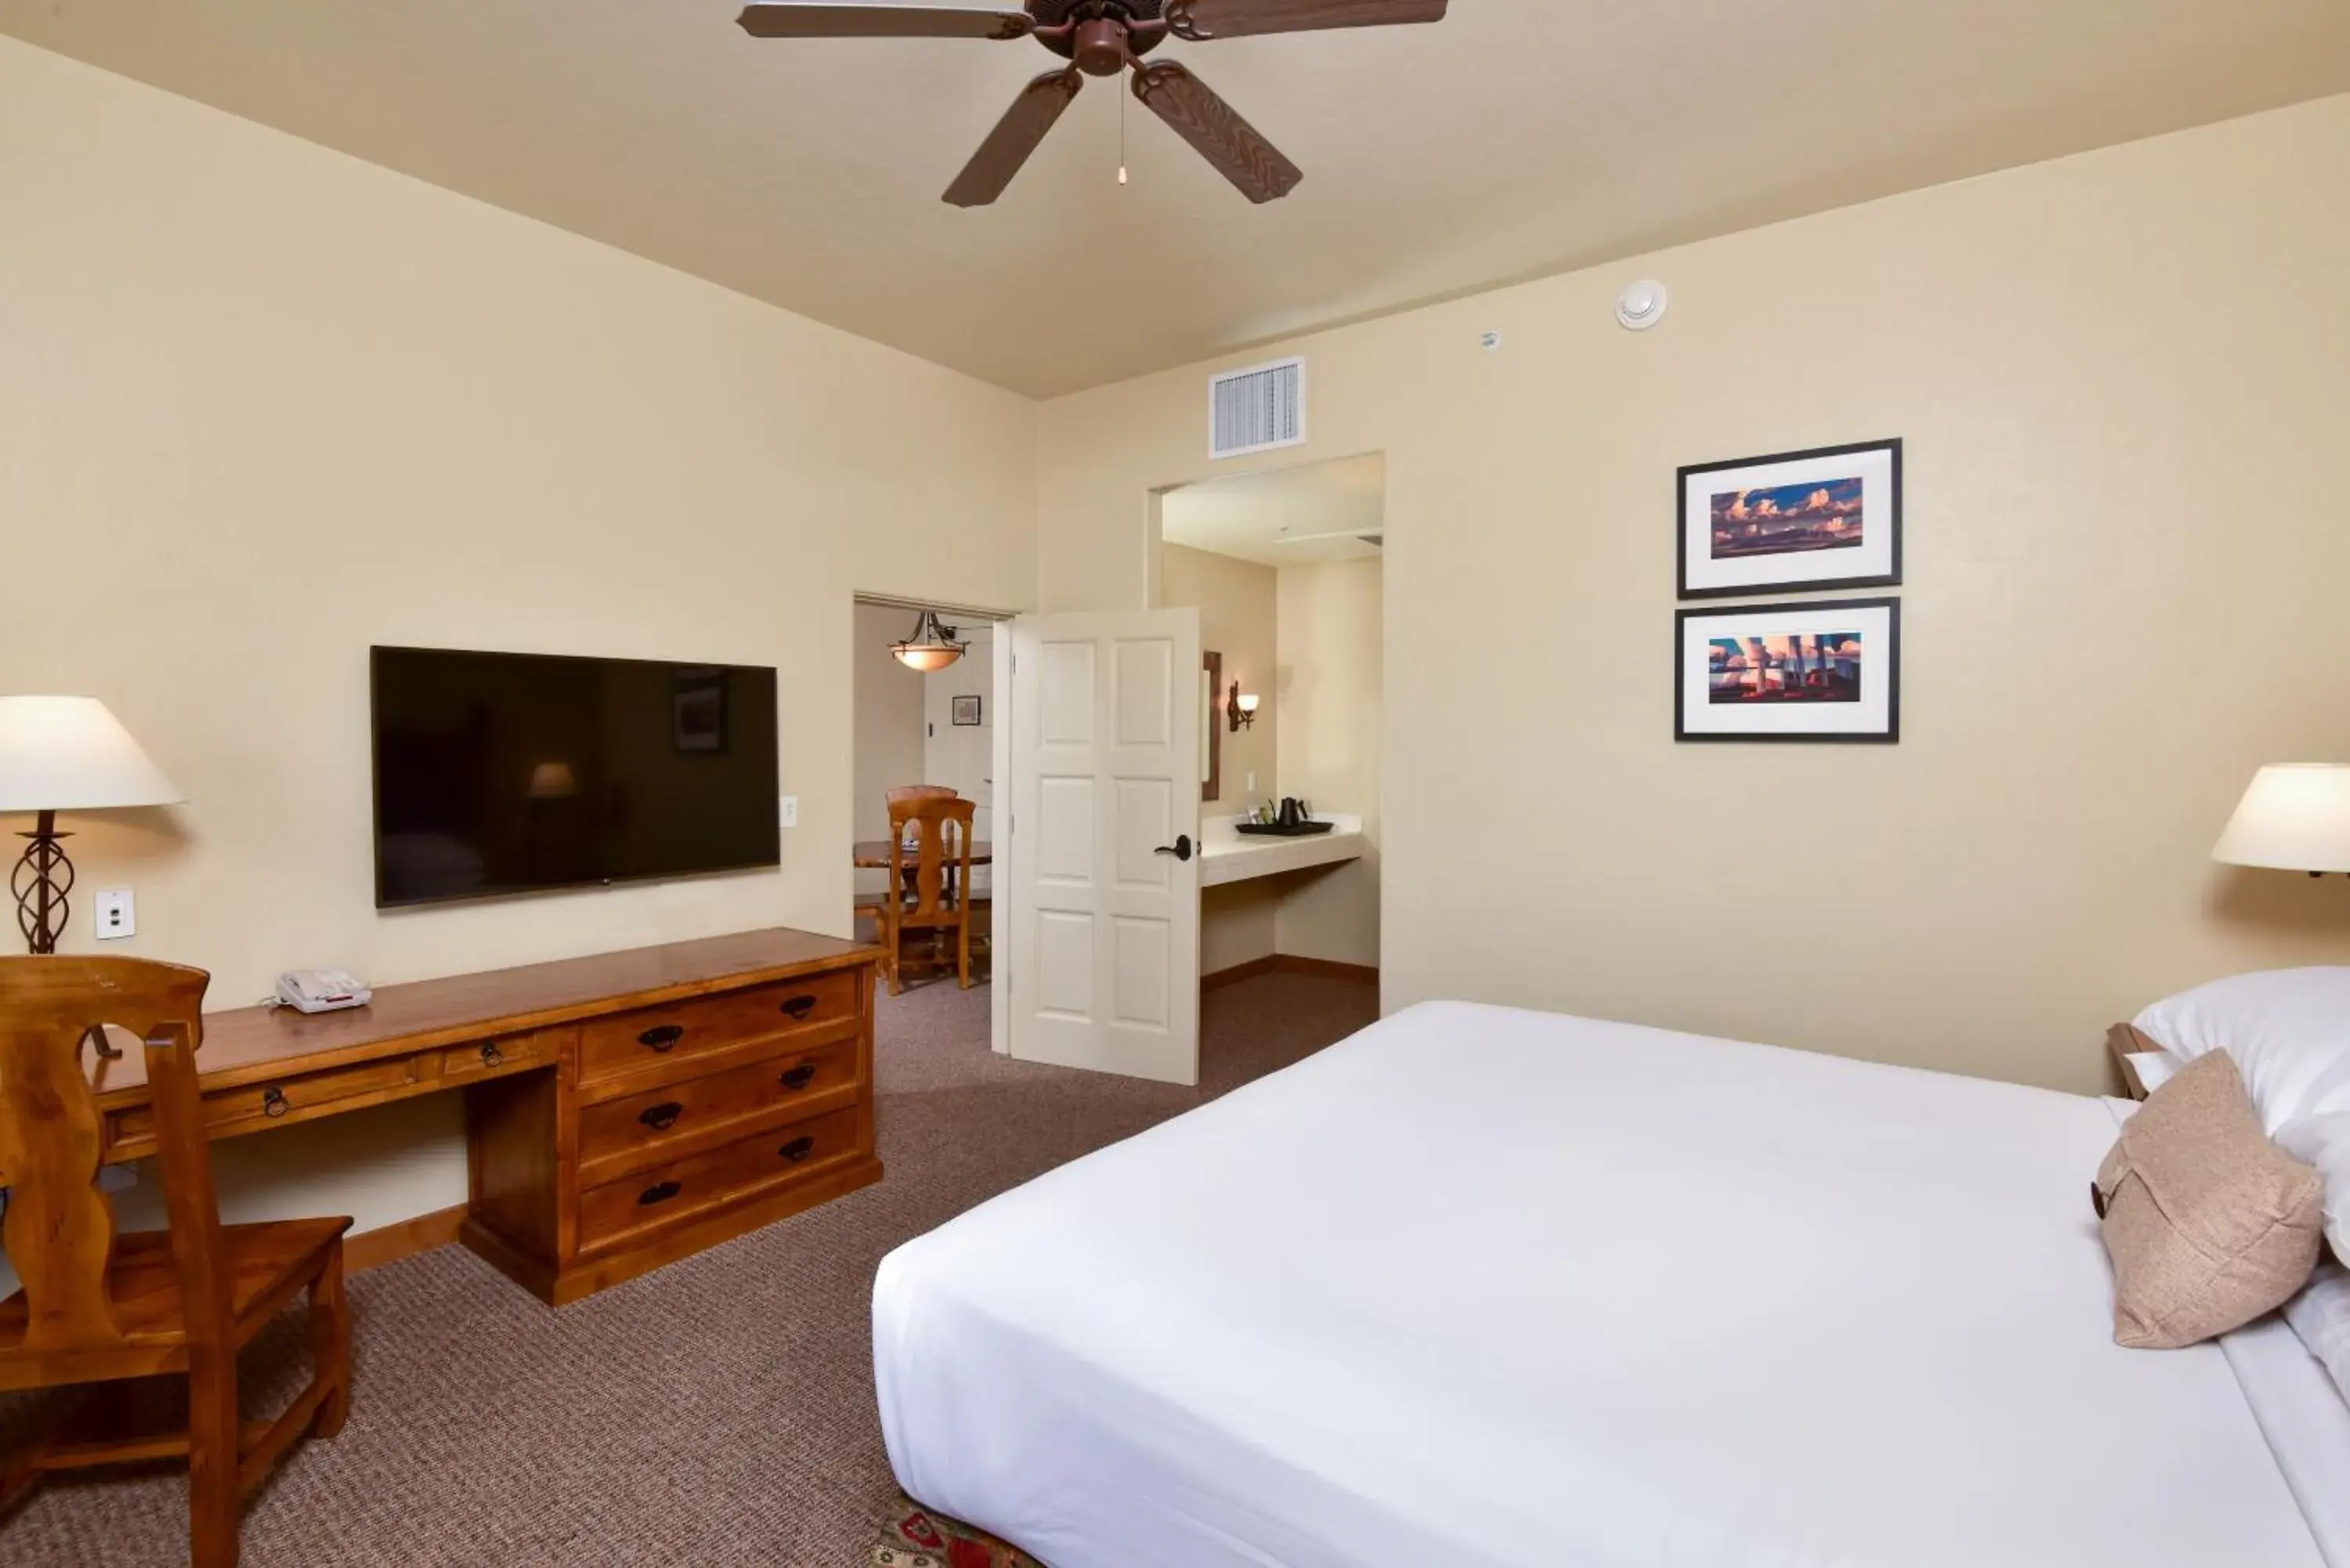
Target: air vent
1256,408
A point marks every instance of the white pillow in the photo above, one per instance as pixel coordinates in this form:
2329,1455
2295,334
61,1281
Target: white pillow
2289,1031
2320,1313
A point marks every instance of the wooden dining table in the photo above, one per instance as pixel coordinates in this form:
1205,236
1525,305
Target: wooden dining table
873,854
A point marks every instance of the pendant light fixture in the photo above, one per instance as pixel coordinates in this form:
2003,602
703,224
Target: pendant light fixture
931,647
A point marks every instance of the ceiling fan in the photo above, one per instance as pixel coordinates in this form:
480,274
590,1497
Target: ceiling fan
1100,39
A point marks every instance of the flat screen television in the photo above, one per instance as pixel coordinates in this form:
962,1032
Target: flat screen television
510,773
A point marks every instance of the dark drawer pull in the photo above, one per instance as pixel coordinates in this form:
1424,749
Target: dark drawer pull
659,1192
798,1006
798,1149
799,1078
660,1037
662,1117
491,1054
273,1102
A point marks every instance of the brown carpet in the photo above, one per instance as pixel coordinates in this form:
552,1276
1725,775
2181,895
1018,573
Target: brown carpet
714,1413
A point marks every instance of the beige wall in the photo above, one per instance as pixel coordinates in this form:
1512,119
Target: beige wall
1239,606
1330,695
267,405
2121,381
1238,603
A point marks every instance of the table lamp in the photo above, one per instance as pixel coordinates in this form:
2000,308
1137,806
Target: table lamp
2295,816
65,753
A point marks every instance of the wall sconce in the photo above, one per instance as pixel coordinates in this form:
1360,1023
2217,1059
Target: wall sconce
1241,709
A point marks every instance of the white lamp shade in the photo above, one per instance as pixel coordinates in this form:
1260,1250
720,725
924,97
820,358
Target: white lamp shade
68,754
2295,817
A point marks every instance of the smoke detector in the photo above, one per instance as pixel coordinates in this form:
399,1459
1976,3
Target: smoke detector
1641,305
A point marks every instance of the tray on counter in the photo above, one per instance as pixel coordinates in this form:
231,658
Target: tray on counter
1275,829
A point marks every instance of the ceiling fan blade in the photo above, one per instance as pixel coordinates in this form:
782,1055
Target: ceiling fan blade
1201,20
1015,136
813,19
1216,131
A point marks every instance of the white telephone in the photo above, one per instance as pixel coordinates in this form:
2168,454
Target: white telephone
321,990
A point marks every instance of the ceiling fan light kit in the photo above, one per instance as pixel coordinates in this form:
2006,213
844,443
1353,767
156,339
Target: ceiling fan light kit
1101,39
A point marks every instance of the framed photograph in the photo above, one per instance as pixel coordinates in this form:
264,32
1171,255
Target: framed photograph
697,711
962,710
1827,518
1813,670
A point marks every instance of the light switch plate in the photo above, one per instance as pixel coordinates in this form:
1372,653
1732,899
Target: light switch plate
117,915
791,811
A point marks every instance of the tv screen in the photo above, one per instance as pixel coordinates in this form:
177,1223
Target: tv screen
502,773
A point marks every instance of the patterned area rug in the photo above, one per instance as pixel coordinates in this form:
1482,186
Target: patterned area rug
917,1538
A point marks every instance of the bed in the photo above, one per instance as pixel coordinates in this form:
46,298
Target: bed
1482,1287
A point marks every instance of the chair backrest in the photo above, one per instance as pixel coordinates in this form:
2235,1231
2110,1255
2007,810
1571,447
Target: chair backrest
920,792
943,830
60,1231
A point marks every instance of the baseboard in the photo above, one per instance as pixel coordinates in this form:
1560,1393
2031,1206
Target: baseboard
1290,963
390,1243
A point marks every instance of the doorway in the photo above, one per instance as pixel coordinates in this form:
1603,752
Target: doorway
915,726
1287,571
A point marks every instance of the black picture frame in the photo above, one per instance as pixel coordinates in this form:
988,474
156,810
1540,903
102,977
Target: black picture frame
963,710
1890,735
1888,578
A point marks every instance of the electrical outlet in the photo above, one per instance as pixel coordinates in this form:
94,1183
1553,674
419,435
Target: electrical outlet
791,811
116,916
1251,780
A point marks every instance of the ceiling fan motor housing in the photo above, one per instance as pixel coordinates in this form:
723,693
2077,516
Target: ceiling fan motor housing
1101,47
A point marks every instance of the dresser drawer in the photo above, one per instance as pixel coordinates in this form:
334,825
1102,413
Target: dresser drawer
295,1098
666,1193
632,1042
648,1127
507,1053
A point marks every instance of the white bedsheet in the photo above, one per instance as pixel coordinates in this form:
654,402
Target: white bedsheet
1480,1287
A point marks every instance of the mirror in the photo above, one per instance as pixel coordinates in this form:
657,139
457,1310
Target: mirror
1211,739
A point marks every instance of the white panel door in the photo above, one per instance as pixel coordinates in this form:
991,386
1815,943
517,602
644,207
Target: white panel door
1098,893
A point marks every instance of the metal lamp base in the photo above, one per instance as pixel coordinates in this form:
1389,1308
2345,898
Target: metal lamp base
41,879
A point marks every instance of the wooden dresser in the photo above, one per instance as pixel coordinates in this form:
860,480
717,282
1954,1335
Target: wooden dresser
621,1111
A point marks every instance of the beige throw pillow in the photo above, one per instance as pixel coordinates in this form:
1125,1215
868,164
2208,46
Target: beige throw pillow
2208,1223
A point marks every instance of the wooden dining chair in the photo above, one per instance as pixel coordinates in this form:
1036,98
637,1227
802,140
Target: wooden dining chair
97,1306
870,903
929,885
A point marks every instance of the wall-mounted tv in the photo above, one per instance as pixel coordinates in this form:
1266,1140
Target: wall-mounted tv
509,772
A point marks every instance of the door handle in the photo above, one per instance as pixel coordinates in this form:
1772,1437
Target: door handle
1181,849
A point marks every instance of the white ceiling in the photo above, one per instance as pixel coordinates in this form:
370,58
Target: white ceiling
1289,517
1515,139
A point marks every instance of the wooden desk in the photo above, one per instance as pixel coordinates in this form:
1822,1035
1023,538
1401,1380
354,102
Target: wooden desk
619,1108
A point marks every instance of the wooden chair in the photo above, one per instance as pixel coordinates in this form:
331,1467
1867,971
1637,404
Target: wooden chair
932,893
870,903
97,1306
